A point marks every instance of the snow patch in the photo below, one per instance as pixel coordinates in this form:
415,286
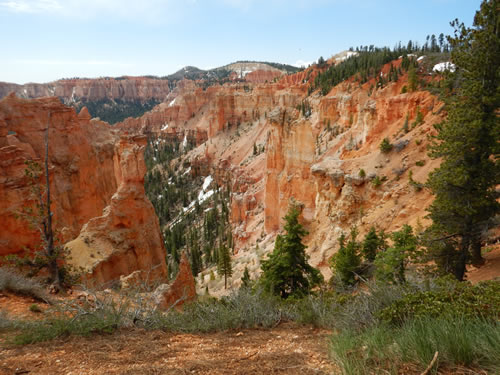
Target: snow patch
421,58
347,55
206,183
172,102
443,66
185,141
165,126
187,171
203,196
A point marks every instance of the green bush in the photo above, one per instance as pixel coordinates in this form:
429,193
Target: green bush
481,300
376,182
420,163
385,145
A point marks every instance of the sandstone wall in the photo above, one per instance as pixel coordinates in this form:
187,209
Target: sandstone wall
96,180
128,89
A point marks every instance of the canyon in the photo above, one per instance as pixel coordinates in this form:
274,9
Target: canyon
327,161
254,136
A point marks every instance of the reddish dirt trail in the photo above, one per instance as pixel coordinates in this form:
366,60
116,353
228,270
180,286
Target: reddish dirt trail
286,349
490,269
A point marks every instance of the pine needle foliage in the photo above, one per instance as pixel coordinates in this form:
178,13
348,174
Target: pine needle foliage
467,142
287,272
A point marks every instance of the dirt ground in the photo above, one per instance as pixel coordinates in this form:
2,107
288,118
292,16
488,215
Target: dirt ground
490,269
286,349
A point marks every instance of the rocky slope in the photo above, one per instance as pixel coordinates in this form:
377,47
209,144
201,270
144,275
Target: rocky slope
276,146
96,183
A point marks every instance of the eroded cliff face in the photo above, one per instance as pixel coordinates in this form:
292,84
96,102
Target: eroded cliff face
275,154
96,181
80,166
126,238
127,88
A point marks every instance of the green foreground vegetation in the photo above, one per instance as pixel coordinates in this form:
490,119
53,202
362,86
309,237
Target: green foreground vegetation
384,328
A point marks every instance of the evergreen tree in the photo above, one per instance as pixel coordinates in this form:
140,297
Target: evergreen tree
346,261
464,184
224,266
412,77
370,245
286,272
245,280
391,264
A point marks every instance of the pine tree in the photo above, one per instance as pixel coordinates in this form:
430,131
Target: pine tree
412,77
464,184
245,280
287,272
346,261
370,245
391,264
224,266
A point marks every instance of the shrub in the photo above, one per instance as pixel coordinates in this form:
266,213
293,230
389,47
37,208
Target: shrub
481,300
376,182
420,163
404,89
385,145
35,308
362,173
417,186
11,281
241,309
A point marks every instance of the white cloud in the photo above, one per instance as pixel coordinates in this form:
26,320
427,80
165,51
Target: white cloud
157,10
31,6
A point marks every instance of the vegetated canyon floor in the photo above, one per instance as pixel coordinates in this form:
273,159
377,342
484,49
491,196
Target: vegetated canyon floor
285,349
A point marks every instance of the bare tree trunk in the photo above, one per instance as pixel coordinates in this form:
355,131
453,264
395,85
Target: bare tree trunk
463,255
476,257
49,235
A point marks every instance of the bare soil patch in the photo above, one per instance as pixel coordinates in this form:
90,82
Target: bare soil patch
286,349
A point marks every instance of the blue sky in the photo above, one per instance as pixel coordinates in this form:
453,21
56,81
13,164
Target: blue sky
44,40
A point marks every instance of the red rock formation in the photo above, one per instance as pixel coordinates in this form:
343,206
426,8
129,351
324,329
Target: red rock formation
290,153
80,161
262,76
127,88
126,238
95,178
182,290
